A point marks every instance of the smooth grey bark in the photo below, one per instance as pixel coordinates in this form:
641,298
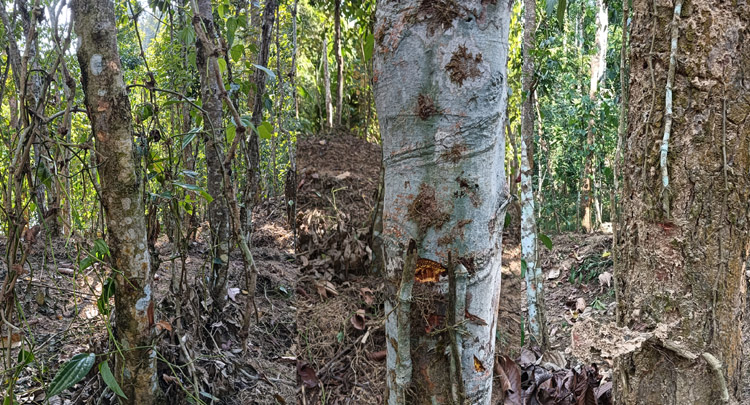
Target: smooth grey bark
441,92
108,108
529,246
327,85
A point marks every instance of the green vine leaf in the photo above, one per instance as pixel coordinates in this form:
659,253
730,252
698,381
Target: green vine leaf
72,372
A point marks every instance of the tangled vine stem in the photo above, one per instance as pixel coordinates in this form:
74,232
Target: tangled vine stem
668,108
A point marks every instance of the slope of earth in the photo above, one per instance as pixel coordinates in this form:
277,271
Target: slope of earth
340,318
197,359
578,283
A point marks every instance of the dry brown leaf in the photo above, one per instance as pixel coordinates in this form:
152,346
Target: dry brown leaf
170,379
343,176
376,356
367,295
511,374
307,375
580,305
358,319
15,341
164,325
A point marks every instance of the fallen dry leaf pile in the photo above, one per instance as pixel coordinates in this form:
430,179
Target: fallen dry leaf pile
543,380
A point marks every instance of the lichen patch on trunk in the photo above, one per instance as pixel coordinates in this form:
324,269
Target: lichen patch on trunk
463,65
426,211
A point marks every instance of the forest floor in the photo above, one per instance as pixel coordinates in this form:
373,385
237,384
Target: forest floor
59,302
320,309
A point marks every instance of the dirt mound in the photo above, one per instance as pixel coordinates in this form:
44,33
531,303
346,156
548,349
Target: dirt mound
340,315
337,185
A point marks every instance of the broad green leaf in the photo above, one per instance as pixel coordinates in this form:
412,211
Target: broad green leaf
193,187
231,30
86,263
546,240
561,6
523,268
101,248
237,51
110,380
73,371
145,111
190,136
108,290
231,132
25,357
369,46
269,72
265,130
43,174
222,65
551,5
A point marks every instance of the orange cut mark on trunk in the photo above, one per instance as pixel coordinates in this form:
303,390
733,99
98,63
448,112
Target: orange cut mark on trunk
478,365
428,271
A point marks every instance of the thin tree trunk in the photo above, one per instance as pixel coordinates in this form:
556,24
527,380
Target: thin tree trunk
327,84
682,267
109,111
339,60
622,130
529,249
598,67
218,212
293,76
252,194
514,208
445,200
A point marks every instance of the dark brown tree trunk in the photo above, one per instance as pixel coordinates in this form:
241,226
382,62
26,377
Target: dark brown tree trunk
681,264
252,190
218,212
109,112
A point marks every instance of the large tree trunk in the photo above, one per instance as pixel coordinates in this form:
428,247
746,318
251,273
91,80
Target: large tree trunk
529,252
109,112
681,265
218,212
339,60
441,96
598,67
